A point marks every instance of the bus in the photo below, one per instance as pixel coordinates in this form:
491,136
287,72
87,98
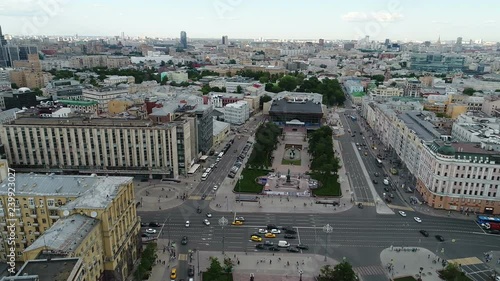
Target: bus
378,162
488,222
204,176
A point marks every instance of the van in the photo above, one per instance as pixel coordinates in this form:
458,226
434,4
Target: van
283,244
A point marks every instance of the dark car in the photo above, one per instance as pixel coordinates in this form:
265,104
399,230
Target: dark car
143,224
293,250
290,231
424,233
439,238
360,205
376,174
199,210
271,226
290,236
145,235
260,246
154,224
302,247
184,240
268,243
274,249
375,181
386,189
203,197
191,271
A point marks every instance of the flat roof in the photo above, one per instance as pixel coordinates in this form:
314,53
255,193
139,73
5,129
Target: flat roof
424,129
87,122
65,235
49,270
283,107
92,192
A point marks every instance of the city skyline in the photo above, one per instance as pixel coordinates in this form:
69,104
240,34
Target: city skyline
397,20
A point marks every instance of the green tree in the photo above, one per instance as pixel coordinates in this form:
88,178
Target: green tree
452,272
232,61
102,76
239,89
14,86
205,89
263,99
288,83
263,79
497,90
323,65
341,272
170,62
469,91
214,271
228,265
38,92
162,63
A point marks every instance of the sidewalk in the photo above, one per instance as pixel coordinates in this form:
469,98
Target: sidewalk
157,195
409,263
269,266
162,271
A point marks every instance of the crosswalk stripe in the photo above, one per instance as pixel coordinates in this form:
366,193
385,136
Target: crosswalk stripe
398,207
183,257
370,270
466,261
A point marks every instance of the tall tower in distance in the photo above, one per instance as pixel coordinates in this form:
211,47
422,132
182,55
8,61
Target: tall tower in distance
184,42
3,42
225,40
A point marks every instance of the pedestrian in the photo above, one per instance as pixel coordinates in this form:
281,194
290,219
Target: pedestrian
429,256
270,262
404,266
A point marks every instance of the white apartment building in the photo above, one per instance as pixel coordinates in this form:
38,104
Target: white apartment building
236,113
491,106
457,176
115,79
103,96
177,76
469,128
383,91
97,145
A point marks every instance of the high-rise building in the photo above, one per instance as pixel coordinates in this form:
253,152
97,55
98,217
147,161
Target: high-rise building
225,40
321,42
184,42
3,42
459,41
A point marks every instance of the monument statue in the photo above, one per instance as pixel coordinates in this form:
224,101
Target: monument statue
288,177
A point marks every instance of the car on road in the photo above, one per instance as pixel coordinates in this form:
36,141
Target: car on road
424,233
439,238
290,236
293,250
154,224
256,238
184,240
173,273
376,174
237,223
271,226
203,197
375,181
198,210
215,187
391,195
191,271
143,224
386,181
187,223
151,231
260,246
270,235
386,189
268,243
274,249
290,231
242,219
302,247
403,214
206,222
275,231
262,231
209,215
417,219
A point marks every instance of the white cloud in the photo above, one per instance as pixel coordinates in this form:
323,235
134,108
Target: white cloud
380,16
440,22
489,22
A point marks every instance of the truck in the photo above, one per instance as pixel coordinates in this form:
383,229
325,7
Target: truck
492,226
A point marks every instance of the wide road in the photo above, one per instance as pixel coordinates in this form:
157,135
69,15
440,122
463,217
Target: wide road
358,234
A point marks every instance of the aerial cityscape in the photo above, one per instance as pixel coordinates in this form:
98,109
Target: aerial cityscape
234,140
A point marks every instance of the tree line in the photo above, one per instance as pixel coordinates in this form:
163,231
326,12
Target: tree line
323,161
266,140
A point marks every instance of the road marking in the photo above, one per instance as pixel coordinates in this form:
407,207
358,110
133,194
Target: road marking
466,261
366,203
400,207
194,197
370,270
183,257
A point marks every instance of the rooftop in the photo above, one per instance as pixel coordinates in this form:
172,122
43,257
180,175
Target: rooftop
423,129
93,192
65,235
48,270
80,121
283,106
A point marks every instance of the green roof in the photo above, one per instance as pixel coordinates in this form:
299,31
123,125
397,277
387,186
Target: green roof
78,102
358,94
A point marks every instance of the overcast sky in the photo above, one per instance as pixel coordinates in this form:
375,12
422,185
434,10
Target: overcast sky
281,19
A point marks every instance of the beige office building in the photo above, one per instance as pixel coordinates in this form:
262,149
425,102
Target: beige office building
101,145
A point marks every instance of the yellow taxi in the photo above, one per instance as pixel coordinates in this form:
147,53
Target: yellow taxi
237,223
270,235
256,238
173,273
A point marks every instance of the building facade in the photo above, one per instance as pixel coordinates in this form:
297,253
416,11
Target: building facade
236,113
103,96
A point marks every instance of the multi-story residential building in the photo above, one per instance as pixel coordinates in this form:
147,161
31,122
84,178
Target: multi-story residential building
205,128
491,106
476,129
233,83
71,269
236,113
93,145
28,73
8,115
90,217
221,131
219,100
117,61
103,95
99,61
412,87
383,91
114,79
353,86
11,53
82,106
177,76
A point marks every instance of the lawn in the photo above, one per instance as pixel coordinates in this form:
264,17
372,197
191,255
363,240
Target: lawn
248,183
222,277
406,278
295,162
332,188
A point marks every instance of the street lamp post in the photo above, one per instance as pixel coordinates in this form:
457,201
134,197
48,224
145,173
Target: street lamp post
223,222
300,274
327,229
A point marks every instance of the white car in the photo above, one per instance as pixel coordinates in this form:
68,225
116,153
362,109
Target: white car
275,231
187,223
240,219
262,231
215,187
209,215
417,219
403,214
386,181
151,231
206,222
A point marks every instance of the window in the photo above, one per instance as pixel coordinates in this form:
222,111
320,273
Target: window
31,202
50,202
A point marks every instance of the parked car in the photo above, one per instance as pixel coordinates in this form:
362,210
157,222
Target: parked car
154,224
290,236
424,233
439,238
302,247
293,250
151,231
375,181
403,214
260,246
274,249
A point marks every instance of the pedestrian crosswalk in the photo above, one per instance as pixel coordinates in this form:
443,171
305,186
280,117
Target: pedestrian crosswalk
466,261
369,270
183,257
196,197
366,203
398,207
